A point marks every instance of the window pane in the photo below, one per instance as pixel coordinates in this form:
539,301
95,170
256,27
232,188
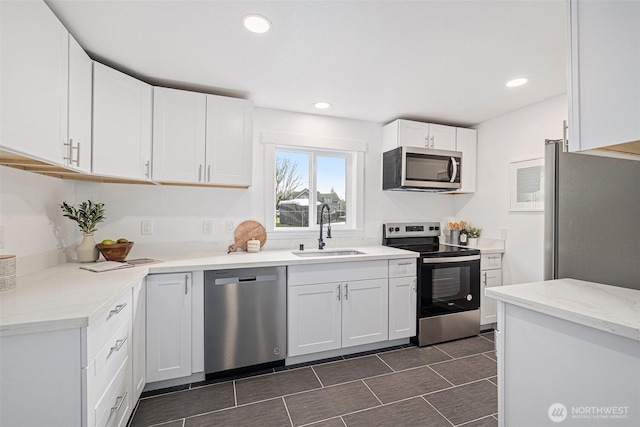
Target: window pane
332,187
292,189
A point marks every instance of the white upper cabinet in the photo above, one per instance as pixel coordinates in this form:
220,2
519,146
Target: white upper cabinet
604,73
179,119
78,146
34,73
229,141
467,144
417,134
121,124
201,139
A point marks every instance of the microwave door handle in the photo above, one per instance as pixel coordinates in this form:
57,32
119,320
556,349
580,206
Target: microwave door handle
453,165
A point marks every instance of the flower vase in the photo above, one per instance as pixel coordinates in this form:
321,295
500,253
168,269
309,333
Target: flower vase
86,250
473,241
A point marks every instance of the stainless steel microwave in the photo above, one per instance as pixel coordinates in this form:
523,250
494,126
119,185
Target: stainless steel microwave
421,169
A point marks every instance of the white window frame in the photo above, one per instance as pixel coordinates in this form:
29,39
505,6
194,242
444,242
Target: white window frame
351,150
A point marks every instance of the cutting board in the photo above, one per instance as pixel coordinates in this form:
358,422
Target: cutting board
246,231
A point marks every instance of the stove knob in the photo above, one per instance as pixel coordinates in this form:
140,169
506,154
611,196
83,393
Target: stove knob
390,229
397,228
437,228
431,228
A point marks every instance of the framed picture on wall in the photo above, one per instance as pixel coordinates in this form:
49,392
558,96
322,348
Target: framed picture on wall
526,179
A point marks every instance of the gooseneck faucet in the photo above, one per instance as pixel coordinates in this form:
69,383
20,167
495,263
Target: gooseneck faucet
320,240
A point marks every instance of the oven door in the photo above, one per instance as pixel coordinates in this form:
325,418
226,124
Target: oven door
449,285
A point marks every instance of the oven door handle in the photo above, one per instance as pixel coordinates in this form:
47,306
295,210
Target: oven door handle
452,259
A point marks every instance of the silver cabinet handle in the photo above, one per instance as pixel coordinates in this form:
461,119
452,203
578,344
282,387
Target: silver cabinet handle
69,148
77,154
147,169
426,142
208,173
186,284
433,142
415,291
119,344
485,278
200,173
405,263
346,291
119,405
338,292
117,310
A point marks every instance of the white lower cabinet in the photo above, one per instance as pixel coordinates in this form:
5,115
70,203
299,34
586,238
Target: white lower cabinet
490,276
403,298
168,326
175,325
139,341
332,306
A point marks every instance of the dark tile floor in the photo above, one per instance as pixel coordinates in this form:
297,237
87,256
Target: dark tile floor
449,384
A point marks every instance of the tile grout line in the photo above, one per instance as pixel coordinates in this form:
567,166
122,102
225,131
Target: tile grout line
438,374
286,408
316,374
436,409
444,352
382,360
235,395
343,421
474,420
374,395
184,422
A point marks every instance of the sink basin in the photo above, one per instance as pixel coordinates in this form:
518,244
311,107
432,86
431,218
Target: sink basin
323,253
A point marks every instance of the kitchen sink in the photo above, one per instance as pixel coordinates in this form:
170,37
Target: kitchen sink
337,252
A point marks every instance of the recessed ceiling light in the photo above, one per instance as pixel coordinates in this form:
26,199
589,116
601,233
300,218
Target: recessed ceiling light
256,23
322,105
517,82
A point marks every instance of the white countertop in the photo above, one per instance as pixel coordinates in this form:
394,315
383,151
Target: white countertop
65,296
608,308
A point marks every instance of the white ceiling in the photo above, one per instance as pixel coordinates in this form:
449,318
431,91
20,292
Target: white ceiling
441,61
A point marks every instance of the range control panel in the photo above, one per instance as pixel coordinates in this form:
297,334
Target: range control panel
411,229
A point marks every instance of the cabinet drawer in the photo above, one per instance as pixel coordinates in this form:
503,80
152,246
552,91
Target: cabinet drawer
110,321
336,272
402,267
490,261
101,370
114,407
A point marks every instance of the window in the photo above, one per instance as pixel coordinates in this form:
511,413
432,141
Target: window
311,179
305,177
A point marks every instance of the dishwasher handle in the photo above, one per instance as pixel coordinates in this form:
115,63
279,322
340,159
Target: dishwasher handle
247,279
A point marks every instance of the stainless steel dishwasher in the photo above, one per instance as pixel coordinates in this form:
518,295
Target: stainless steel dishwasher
244,317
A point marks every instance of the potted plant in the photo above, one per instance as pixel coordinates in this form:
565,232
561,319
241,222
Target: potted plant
87,214
472,233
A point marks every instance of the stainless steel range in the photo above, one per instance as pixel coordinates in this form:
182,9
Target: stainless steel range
449,282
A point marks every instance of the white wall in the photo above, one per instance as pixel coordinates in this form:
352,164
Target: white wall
518,135
30,212
178,212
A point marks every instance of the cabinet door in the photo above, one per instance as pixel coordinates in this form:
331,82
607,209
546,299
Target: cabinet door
178,135
34,74
402,307
139,354
229,141
413,134
604,84
488,310
442,137
313,322
168,326
121,124
365,312
467,144
78,145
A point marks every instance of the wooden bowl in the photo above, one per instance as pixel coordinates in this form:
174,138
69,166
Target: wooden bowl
117,252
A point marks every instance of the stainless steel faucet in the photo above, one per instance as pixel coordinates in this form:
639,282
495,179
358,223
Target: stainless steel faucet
320,240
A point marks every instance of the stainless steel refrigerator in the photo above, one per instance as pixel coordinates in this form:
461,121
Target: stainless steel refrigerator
592,217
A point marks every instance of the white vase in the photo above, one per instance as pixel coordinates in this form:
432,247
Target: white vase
473,241
86,250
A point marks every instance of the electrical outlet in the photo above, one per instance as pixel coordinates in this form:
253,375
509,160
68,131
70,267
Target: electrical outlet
1,236
147,226
230,226
207,227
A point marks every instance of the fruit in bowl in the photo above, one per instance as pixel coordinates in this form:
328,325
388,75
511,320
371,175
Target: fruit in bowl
113,250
